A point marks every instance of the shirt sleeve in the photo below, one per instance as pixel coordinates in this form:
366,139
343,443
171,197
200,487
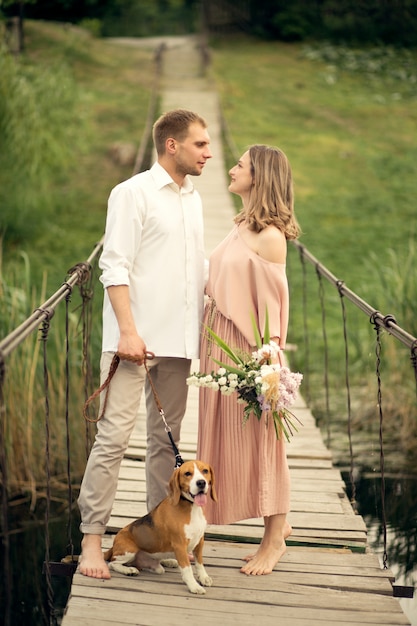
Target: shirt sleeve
122,239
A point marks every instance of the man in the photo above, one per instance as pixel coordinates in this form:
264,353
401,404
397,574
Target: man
153,275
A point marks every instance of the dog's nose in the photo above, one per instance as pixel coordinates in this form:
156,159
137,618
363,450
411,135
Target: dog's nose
201,484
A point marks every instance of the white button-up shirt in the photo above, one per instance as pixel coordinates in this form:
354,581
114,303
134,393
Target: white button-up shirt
154,243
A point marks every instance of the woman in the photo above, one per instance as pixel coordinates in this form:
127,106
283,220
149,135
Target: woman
247,276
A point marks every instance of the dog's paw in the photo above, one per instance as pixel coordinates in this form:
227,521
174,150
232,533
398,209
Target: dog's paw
202,576
190,581
206,581
170,563
132,571
156,570
123,569
196,588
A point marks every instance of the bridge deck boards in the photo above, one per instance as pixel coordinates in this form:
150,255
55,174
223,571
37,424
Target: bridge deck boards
327,576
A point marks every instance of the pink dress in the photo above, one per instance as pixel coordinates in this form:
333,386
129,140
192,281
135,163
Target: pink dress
250,464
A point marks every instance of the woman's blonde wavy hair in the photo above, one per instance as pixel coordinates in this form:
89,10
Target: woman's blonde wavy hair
272,197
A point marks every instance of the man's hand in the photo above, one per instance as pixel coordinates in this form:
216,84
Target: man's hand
132,347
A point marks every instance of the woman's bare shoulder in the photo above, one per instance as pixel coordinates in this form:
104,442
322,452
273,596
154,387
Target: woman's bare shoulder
272,245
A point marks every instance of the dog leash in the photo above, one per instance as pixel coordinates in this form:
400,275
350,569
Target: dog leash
178,459
105,386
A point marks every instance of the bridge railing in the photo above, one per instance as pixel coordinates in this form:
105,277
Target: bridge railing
382,324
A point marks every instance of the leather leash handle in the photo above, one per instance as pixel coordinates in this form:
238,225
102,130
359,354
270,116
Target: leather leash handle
118,356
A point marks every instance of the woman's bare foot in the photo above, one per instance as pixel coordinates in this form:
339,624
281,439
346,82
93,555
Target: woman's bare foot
287,533
91,561
287,530
264,561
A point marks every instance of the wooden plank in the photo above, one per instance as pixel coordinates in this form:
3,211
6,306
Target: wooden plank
332,538
310,463
323,501
300,469
128,613
245,530
319,481
353,541
323,521
330,474
233,587
219,613
233,598
304,559
298,504
329,580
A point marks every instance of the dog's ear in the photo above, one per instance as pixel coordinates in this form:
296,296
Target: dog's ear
174,487
212,487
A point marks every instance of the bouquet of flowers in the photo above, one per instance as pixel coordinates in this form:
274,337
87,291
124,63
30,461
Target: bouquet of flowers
261,385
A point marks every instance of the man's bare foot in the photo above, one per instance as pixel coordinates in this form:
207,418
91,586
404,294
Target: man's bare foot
264,560
287,533
91,561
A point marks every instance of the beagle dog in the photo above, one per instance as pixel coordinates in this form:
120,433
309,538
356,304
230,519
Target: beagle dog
167,534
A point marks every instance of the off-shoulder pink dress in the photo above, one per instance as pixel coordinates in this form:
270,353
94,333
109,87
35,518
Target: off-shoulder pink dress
250,464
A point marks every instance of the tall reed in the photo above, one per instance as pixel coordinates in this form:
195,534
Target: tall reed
35,393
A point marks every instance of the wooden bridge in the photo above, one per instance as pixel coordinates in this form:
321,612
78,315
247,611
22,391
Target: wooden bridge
328,575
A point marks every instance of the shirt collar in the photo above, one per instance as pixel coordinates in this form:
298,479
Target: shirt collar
162,179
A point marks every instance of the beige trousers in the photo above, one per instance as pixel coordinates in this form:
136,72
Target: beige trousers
99,484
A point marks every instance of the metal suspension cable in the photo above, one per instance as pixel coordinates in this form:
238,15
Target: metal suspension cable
70,545
348,398
87,291
378,349
4,486
326,355
388,321
305,327
47,570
